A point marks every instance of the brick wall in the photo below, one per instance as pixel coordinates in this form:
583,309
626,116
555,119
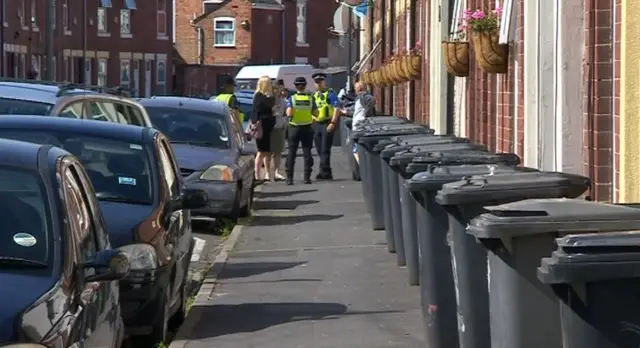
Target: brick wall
599,106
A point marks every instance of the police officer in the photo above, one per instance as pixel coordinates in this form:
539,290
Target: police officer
301,110
227,97
328,114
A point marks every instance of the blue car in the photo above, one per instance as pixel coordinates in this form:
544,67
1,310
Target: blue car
145,207
58,272
211,151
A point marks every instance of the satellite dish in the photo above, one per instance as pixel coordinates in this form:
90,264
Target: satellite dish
341,18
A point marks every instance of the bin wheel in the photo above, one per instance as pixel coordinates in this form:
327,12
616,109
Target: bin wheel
355,176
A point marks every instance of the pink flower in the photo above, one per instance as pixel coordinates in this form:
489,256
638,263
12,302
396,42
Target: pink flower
466,15
478,15
497,10
462,27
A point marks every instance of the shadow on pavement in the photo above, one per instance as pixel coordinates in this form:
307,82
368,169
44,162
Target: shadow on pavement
259,220
251,317
292,280
247,269
284,193
278,205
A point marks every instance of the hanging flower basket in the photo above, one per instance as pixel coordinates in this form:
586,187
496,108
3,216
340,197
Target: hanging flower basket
405,62
492,56
364,77
385,74
400,69
375,78
396,78
456,57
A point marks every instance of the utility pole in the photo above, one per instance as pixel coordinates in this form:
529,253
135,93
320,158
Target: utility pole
349,54
50,19
83,74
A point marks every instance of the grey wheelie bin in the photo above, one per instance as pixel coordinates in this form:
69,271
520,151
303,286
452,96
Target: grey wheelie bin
386,149
517,235
371,173
596,278
391,193
437,286
464,200
404,169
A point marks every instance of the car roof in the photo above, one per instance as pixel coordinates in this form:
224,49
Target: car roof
188,103
42,93
24,155
101,129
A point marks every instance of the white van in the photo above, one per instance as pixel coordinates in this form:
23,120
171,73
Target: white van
248,76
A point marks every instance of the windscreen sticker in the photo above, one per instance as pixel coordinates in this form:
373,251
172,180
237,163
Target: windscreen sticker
135,147
24,239
123,180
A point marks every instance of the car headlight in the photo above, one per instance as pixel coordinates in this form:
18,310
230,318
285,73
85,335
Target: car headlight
217,172
141,256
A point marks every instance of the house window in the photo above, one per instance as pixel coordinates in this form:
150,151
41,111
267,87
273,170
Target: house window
102,20
301,21
105,3
161,77
130,4
22,10
125,22
87,70
102,72
54,76
125,72
4,13
162,17
224,30
34,15
35,66
68,71
65,15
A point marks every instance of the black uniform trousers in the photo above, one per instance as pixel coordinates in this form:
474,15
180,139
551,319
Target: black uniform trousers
323,141
300,135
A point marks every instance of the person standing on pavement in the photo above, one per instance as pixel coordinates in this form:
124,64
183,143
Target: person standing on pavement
279,129
364,106
328,115
228,97
301,110
262,111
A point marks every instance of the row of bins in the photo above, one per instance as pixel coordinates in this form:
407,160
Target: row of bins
505,256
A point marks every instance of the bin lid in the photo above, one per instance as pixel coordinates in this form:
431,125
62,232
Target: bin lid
592,257
470,157
404,159
437,175
553,215
512,187
402,140
385,119
388,151
365,138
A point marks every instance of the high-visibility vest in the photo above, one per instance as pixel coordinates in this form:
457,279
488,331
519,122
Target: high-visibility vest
301,103
325,110
226,98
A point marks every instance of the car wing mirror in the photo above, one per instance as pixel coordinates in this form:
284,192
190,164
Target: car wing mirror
249,149
108,265
192,199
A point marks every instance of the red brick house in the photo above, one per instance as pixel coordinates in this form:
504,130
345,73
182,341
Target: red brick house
216,37
127,42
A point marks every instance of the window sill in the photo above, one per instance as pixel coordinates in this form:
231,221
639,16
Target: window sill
25,28
67,32
302,44
126,36
35,29
5,24
104,34
224,46
163,37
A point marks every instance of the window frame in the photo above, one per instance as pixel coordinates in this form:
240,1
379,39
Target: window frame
22,13
69,178
301,22
224,30
128,33
34,16
165,159
65,17
88,67
102,74
161,13
162,62
125,65
101,12
507,31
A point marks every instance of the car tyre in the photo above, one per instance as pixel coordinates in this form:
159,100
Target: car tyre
246,210
160,327
181,312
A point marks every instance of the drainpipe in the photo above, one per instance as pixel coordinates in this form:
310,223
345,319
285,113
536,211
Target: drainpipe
412,39
200,33
284,36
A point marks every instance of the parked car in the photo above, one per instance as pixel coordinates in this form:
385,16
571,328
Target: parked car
141,195
31,97
58,271
211,150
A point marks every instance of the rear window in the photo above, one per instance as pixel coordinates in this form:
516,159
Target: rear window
23,217
24,107
198,128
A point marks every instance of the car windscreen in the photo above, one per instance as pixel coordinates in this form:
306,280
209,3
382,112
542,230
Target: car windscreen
119,170
10,106
194,127
24,217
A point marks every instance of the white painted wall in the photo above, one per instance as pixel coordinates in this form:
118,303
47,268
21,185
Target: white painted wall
437,72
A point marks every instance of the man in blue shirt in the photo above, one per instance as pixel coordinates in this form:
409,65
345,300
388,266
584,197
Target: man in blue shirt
327,103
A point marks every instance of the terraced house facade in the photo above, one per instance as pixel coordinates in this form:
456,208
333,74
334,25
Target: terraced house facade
108,42
560,104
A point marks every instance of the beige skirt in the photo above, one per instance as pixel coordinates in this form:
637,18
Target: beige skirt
277,140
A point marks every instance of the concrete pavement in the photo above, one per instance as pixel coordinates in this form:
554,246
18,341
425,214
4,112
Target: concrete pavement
307,273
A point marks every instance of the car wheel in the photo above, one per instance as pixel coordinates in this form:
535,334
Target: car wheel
160,326
181,312
246,210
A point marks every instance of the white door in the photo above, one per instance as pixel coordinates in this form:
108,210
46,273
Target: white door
147,78
136,78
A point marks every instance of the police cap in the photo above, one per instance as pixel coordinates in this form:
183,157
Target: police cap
299,81
319,77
